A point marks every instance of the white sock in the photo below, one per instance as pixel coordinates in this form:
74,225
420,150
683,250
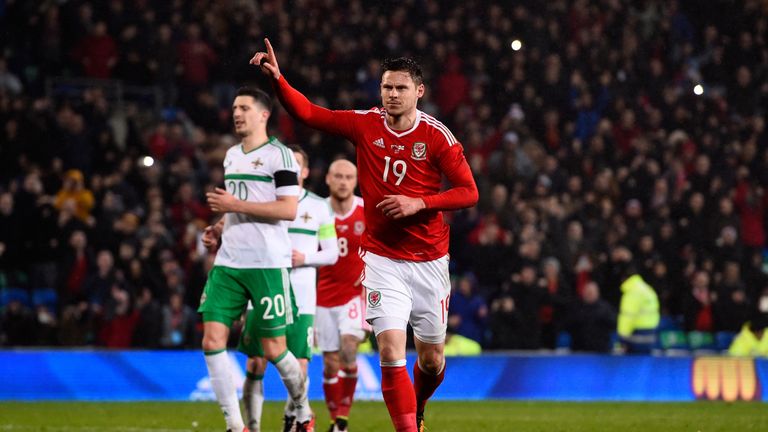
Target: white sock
290,408
293,379
253,399
226,393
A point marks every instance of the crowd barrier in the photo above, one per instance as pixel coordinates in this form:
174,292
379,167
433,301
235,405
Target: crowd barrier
182,375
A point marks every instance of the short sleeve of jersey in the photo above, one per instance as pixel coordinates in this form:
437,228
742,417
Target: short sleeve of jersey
284,161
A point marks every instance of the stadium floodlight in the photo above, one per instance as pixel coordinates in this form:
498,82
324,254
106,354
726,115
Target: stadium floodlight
147,161
516,45
698,90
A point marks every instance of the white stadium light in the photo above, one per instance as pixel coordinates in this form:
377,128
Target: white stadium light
698,90
147,161
516,45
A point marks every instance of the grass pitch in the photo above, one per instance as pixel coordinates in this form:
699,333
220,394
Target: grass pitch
487,416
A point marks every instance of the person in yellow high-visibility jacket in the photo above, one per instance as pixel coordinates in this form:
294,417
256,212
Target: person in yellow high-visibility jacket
458,345
638,315
752,341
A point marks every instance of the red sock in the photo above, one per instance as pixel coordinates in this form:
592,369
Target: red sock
332,389
424,385
348,382
399,396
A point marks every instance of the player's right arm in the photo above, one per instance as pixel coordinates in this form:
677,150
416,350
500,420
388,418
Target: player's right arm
282,208
315,116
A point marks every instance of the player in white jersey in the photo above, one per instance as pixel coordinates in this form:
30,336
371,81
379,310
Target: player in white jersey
312,228
254,254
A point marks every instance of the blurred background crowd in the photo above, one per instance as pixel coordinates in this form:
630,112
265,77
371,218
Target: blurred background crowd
616,137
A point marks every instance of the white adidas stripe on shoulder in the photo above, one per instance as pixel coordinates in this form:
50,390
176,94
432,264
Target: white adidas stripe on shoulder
438,124
369,111
440,127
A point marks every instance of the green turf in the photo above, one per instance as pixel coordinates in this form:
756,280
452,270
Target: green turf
372,416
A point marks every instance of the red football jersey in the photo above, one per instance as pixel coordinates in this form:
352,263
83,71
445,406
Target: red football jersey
409,163
337,284
389,162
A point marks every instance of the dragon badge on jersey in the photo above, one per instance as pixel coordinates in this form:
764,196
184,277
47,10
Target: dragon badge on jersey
419,151
359,227
374,298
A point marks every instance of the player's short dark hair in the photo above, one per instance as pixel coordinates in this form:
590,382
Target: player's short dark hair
258,95
297,149
404,64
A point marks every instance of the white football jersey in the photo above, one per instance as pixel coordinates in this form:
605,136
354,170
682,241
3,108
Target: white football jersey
314,222
247,241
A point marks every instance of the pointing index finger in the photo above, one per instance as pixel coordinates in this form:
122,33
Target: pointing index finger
270,51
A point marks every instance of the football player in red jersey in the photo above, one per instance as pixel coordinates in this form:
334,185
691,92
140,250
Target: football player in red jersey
402,155
340,322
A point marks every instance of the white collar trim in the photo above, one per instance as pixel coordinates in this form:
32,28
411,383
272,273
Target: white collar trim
402,134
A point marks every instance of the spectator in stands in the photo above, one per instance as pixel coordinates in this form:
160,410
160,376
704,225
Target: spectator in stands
727,245
505,324
468,311
74,193
119,319
750,200
163,63
74,269
528,296
148,332
97,52
733,307
179,322
698,309
558,296
196,58
187,208
591,322
99,284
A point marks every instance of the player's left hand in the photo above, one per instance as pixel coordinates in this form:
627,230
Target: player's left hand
221,201
400,206
297,258
211,239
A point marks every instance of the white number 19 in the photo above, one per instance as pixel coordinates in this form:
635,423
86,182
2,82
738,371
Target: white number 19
398,169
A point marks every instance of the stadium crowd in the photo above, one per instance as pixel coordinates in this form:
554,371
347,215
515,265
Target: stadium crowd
593,148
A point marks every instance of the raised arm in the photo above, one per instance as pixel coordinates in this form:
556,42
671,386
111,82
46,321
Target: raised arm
297,105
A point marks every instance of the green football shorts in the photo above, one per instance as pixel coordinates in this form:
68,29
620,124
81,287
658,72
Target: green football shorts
228,290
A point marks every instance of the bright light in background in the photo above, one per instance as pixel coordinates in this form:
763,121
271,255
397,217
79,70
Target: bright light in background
698,90
516,45
147,161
